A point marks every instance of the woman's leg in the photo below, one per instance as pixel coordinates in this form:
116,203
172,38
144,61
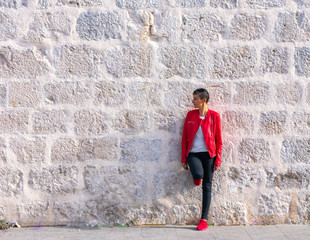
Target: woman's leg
195,166
208,167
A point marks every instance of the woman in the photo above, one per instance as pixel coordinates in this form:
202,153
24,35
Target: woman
201,148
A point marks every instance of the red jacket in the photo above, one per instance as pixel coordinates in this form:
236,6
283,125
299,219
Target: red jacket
211,129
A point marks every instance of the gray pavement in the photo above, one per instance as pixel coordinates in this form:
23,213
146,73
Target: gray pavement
274,232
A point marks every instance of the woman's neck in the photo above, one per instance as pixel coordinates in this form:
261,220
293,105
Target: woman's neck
203,110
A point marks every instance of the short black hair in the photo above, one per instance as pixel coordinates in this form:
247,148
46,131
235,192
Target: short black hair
202,93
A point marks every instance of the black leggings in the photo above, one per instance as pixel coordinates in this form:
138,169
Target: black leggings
202,167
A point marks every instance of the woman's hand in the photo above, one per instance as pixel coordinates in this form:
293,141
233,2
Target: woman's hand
216,167
185,165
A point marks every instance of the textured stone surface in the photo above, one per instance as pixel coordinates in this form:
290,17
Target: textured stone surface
184,60
70,3
302,61
202,27
289,93
48,25
13,3
100,25
66,93
3,156
106,148
166,25
229,213
112,182
134,150
254,151
24,94
90,122
234,62
275,60
12,180
273,122
175,150
137,4
294,178
3,94
14,121
242,178
144,94
77,60
237,122
64,150
129,61
164,120
141,26
226,4
303,3
110,93
8,29
54,179
28,150
295,150
187,3
220,93
149,215
2,212
76,213
21,63
266,3
34,213
308,93
49,121
251,93
270,204
132,121
303,207
248,26
184,214
301,123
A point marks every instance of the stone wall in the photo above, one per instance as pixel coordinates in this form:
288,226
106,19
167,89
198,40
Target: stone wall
93,95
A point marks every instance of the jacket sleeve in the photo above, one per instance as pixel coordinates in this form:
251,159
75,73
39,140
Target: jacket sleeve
184,139
218,141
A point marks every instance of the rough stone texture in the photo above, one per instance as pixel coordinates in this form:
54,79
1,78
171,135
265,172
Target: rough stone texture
13,3
90,122
70,3
21,63
184,60
273,122
137,4
220,93
110,93
248,27
303,3
289,93
303,207
301,123
149,215
295,151
202,27
8,28
76,213
187,3
275,60
129,61
242,178
100,25
266,3
164,120
13,179
226,4
24,94
294,178
2,212
254,151
64,150
112,182
49,121
75,93
134,150
106,148
308,93
251,93
165,26
302,61
175,150
237,122
3,94
229,213
144,94
270,204
132,121
3,157
184,214
234,62
48,25
77,60
34,213
13,121
28,150
54,179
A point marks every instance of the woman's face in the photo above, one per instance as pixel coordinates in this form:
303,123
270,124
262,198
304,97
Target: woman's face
197,101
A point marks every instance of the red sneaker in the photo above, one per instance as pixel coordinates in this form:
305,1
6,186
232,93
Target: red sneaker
202,225
197,182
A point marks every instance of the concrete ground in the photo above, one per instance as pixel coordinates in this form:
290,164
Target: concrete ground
274,232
